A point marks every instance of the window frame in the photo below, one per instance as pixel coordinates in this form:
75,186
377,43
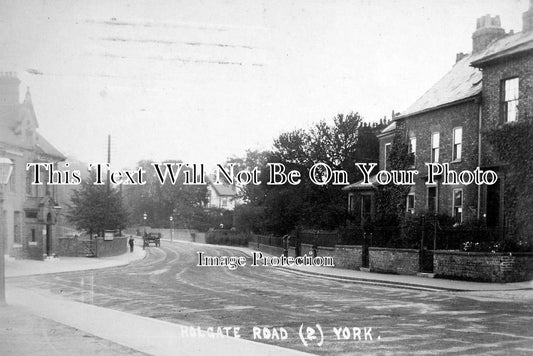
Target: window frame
364,213
435,150
454,213
504,104
351,203
385,155
413,152
410,210
436,210
455,144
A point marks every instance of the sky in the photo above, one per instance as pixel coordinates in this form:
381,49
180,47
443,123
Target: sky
204,80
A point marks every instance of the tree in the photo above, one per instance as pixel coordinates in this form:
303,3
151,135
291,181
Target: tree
94,209
391,199
280,208
161,201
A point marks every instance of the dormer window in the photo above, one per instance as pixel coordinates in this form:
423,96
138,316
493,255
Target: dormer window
509,100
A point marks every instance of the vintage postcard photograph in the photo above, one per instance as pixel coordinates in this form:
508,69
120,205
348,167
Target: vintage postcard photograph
266,177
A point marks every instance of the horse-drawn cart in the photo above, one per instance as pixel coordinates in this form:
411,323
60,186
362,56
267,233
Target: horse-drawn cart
152,237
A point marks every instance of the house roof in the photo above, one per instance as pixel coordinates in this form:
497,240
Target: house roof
222,189
47,148
373,183
506,46
461,82
388,130
14,120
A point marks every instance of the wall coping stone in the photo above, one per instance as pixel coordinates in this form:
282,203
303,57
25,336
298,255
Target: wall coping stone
471,253
393,249
326,248
348,246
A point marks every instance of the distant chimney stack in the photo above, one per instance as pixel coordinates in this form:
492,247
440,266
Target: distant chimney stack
460,56
488,30
9,88
527,18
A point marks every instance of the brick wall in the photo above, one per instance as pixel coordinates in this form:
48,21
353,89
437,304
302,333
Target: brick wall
117,246
292,251
344,256
444,120
485,267
73,247
388,260
305,249
349,257
68,246
492,77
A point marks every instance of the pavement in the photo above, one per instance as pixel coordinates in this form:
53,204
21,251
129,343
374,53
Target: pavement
20,268
67,327
120,333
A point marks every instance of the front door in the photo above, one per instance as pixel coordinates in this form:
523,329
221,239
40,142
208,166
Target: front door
493,204
49,234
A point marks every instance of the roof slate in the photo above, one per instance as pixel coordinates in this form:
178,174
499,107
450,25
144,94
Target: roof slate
506,46
463,81
222,189
11,117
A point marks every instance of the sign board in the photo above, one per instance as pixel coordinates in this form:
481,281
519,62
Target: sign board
109,235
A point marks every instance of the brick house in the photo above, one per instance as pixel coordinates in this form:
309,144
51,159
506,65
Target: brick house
361,198
490,86
29,212
507,98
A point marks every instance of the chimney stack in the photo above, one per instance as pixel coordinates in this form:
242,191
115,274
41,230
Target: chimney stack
460,56
527,18
488,30
9,88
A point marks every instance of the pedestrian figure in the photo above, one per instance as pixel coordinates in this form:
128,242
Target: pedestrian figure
131,243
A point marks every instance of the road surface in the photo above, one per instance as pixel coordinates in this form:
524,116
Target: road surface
309,314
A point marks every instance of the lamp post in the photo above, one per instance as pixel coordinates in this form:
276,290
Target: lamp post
6,167
171,228
144,222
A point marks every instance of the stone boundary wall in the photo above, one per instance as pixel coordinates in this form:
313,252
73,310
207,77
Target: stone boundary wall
394,260
305,249
324,251
115,247
292,251
344,256
73,247
484,266
347,256
68,246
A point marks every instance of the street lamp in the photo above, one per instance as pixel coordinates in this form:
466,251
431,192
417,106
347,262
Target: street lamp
171,228
144,222
6,167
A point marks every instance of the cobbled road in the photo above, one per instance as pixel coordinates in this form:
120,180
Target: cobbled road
168,285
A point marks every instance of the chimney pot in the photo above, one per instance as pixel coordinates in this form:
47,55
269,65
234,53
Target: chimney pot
527,18
459,56
488,29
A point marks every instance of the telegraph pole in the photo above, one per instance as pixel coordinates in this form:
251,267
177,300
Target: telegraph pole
108,178
109,163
